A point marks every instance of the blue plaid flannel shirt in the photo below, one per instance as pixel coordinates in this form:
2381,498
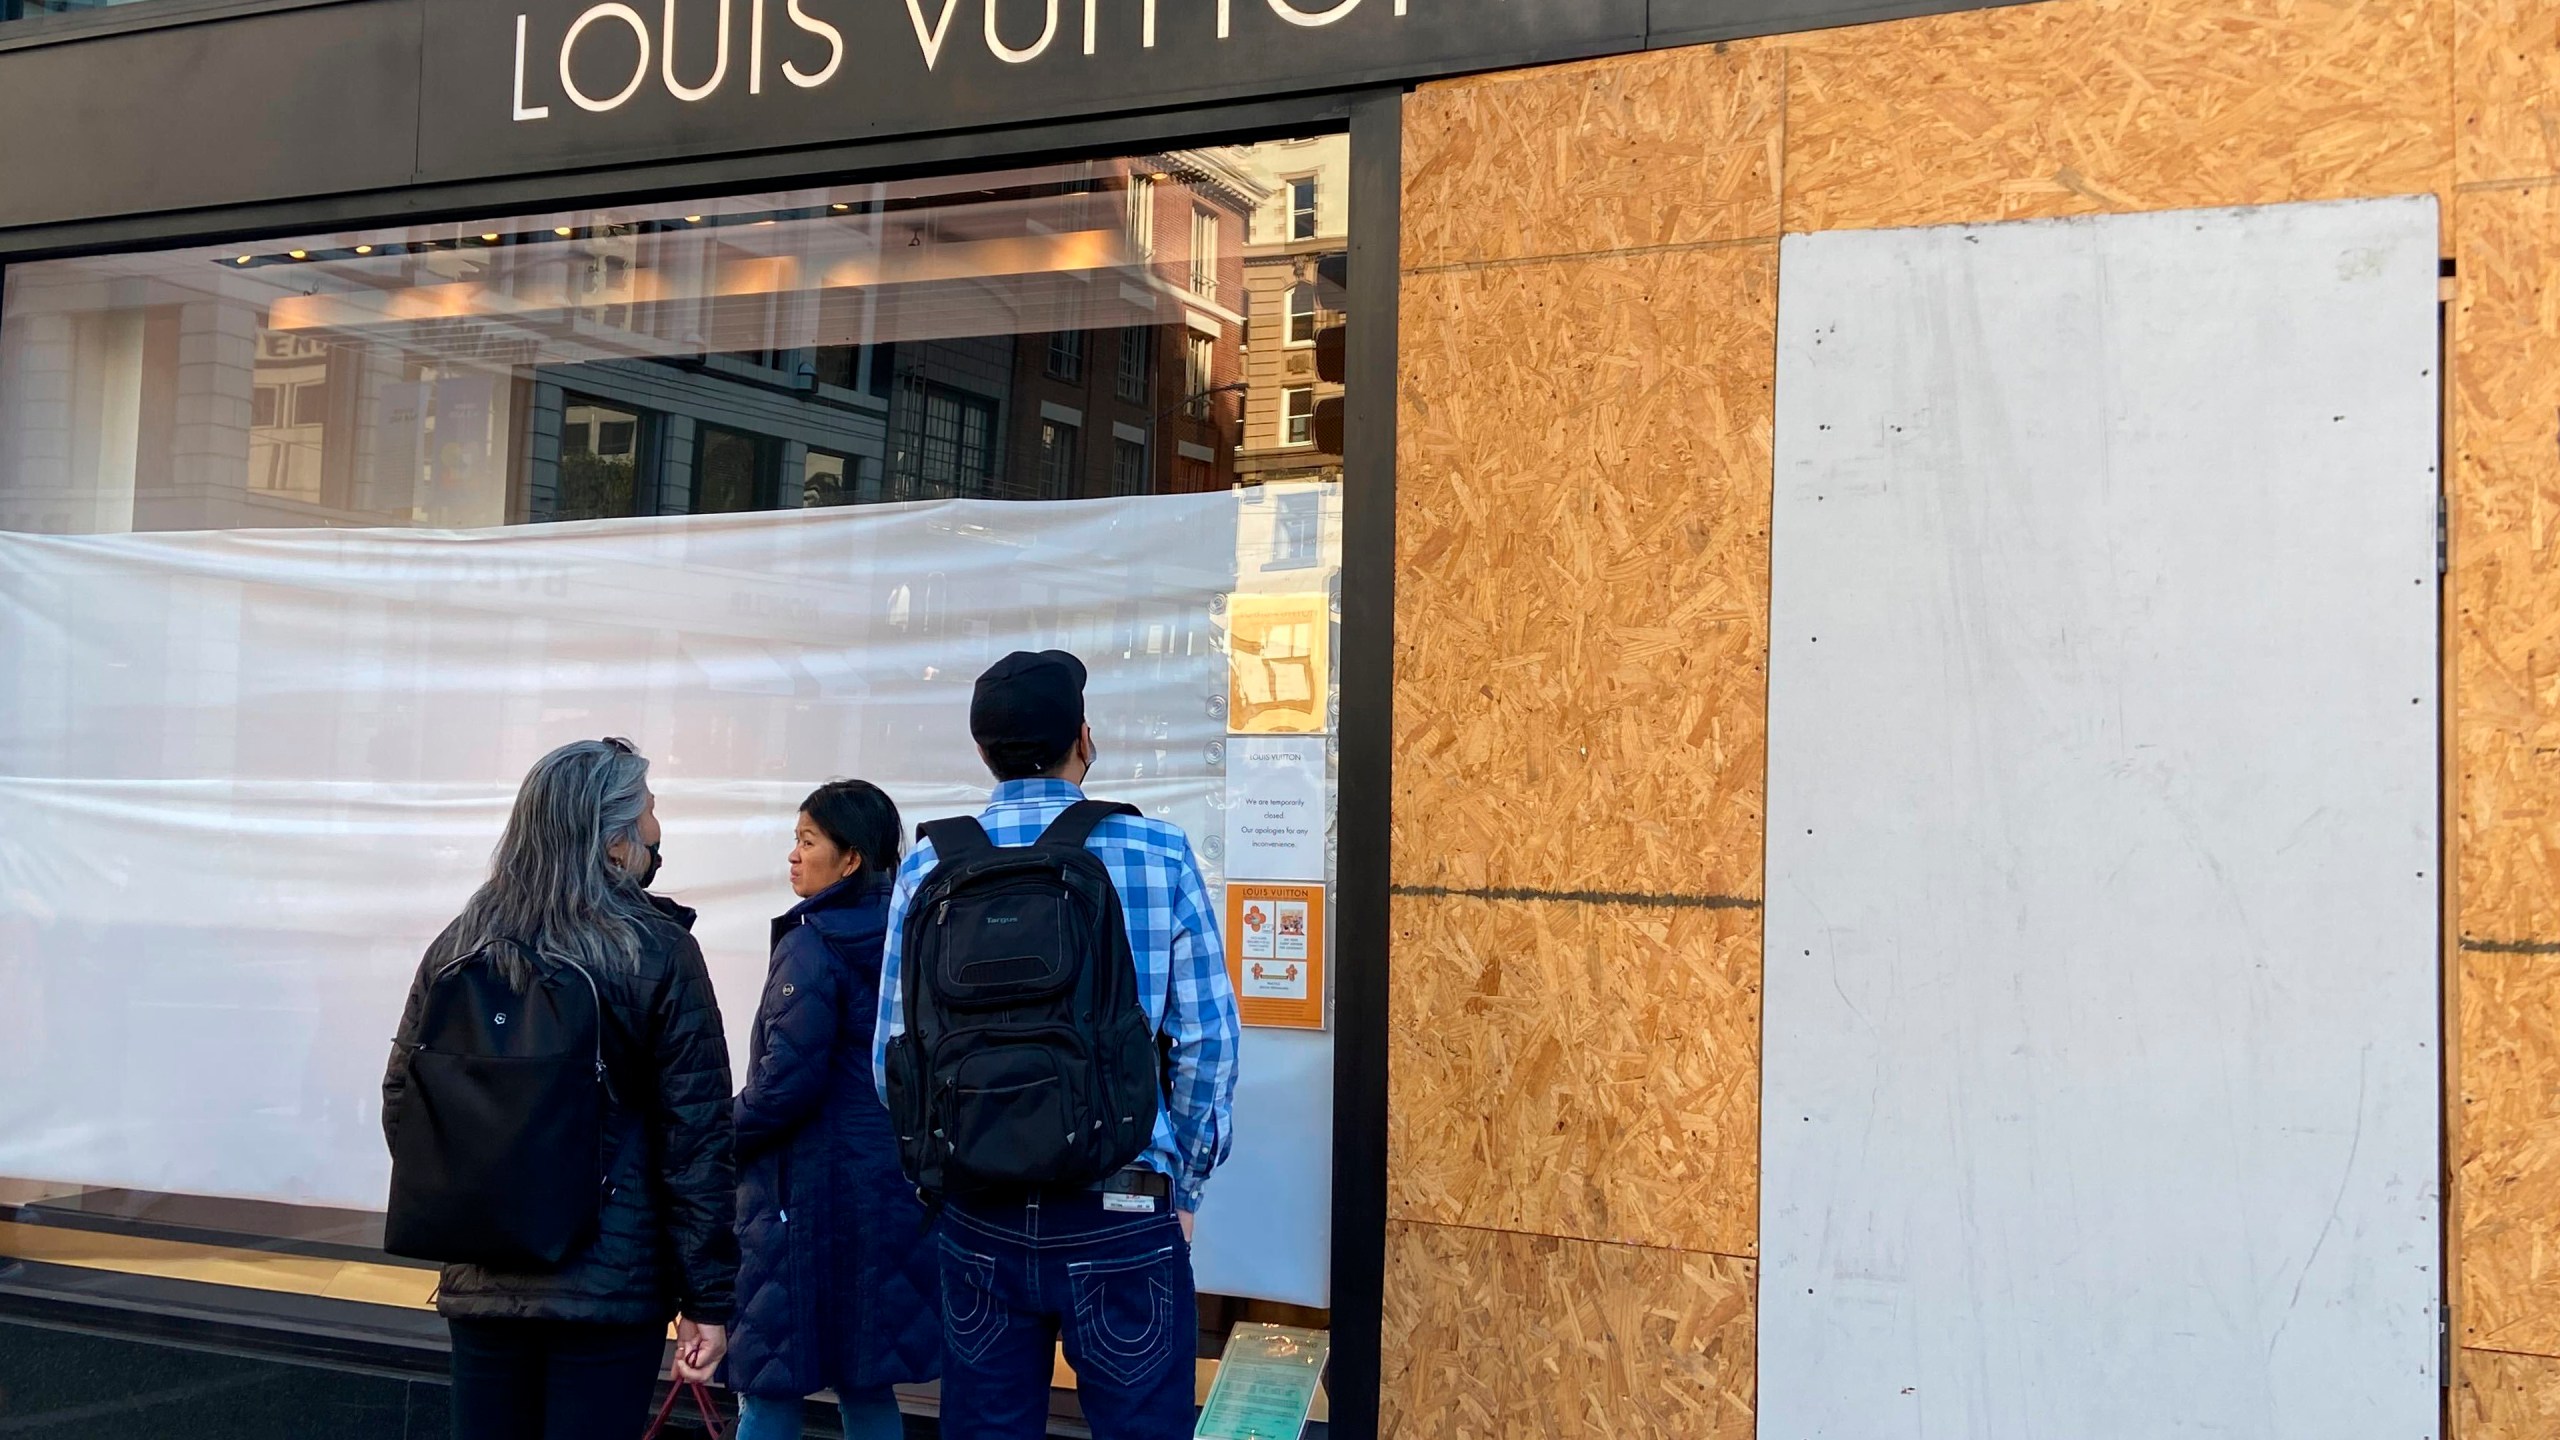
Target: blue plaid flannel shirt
1182,968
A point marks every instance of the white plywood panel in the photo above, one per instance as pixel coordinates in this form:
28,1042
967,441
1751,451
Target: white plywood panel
2102,1091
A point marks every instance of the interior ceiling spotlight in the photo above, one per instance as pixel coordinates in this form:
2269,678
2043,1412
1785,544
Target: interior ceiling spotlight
364,249
299,254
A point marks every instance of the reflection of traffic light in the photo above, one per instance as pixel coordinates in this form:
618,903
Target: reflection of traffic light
1332,357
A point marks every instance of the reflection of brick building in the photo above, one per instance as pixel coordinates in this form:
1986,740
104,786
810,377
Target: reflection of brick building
1145,408
1294,259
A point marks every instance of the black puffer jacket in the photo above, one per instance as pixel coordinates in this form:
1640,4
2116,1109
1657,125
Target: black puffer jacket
664,1245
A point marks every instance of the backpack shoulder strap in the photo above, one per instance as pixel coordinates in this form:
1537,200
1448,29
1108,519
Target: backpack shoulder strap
1071,829
957,839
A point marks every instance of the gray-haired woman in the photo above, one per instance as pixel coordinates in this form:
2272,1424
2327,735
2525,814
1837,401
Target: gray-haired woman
572,1351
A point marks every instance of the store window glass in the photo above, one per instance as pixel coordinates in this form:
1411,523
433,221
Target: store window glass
309,545
31,9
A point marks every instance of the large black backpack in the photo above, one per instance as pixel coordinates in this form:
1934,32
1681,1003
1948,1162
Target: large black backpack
497,1151
1027,1060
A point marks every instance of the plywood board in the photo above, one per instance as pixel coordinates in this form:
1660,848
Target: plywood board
1582,570
2505,1397
2507,70
2080,106
2505,512
1577,1069
2507,1156
1675,148
2101,1091
1516,1337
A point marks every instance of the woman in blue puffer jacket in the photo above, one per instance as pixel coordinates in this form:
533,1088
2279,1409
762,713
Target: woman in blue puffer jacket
837,1279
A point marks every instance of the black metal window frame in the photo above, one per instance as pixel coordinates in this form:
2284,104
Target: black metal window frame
1374,120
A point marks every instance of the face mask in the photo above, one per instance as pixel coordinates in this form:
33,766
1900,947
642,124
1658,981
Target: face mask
655,861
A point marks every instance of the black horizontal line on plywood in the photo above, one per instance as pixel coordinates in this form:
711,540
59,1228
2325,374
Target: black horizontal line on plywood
2511,947
1639,898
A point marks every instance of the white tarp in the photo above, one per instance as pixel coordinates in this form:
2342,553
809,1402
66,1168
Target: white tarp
245,776
2101,1092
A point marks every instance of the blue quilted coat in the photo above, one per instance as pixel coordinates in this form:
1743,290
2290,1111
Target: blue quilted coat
837,1280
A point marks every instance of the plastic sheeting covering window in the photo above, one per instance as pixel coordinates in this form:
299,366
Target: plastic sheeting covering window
245,776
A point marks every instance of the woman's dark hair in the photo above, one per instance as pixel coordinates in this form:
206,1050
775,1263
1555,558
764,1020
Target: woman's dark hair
859,817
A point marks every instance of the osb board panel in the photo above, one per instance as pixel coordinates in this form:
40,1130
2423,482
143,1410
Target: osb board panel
1517,1337
1583,573
1667,149
2507,65
2507,1154
1576,1069
2505,1397
2075,106
2506,574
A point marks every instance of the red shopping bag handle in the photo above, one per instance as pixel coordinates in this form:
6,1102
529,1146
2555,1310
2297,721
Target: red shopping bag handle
701,1401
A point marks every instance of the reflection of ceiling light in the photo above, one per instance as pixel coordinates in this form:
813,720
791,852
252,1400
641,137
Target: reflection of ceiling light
693,219
489,239
364,249
243,260
299,254
563,231
842,207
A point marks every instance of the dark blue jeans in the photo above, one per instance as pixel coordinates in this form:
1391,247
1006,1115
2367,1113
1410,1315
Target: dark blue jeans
1019,1276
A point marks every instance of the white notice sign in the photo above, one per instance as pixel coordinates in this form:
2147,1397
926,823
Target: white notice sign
1275,808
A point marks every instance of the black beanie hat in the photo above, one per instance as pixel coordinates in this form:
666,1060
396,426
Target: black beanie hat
1031,700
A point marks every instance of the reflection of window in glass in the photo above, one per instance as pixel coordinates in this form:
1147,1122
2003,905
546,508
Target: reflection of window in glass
263,406
1128,467
822,481
311,403
1066,356
958,431
884,369
729,472
1297,531
1302,314
1061,454
1204,254
599,462
1142,215
839,366
1199,366
1302,208
1137,363
1299,415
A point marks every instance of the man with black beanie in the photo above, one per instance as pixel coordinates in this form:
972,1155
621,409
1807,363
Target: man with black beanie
1106,1267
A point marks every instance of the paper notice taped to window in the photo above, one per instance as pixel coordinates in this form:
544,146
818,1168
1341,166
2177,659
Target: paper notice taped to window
1280,655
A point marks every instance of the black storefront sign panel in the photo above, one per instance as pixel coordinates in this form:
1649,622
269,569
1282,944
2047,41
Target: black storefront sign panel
513,86
296,102
1695,22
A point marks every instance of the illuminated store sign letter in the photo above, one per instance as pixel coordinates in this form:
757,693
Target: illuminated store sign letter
835,50
1291,13
932,43
537,112
719,70
1007,53
569,46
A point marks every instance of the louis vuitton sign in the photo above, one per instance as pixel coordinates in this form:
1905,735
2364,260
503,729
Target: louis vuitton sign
539,84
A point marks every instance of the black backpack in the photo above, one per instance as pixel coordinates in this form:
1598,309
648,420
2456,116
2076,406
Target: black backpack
1027,1060
497,1151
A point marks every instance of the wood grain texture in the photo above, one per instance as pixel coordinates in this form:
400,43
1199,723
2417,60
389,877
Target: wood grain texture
2505,512
2079,106
1673,148
2505,1397
2507,1153
1515,1337
1581,1070
1583,573
2507,73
